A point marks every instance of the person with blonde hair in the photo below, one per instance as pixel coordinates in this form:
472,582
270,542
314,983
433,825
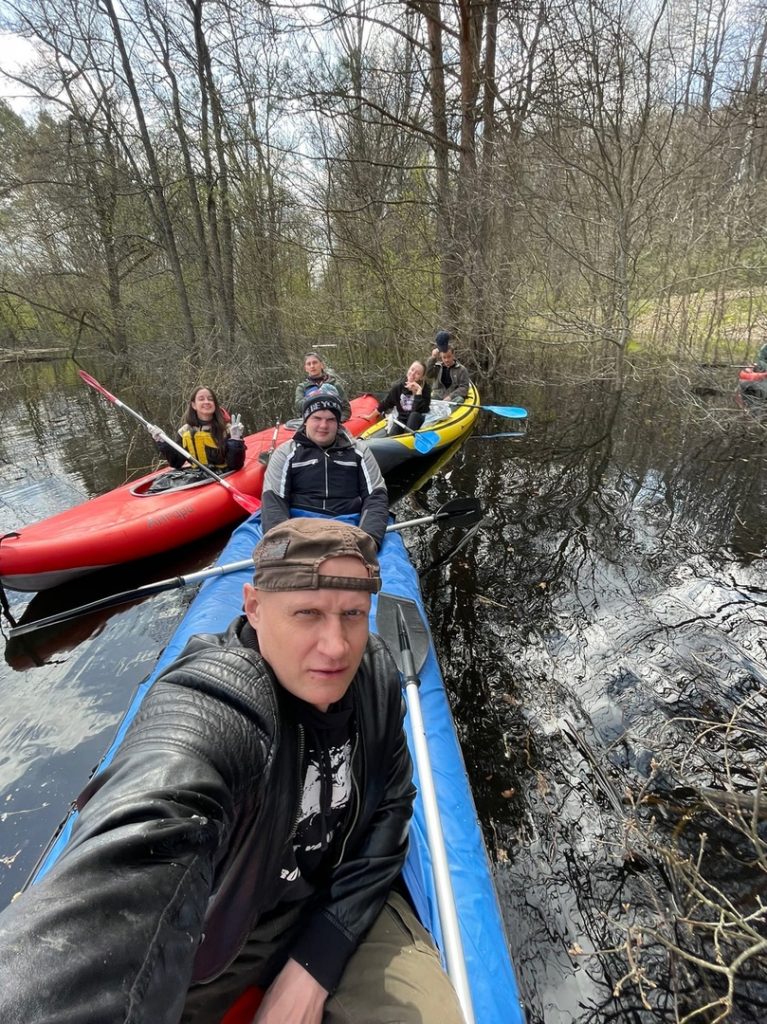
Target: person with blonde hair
408,399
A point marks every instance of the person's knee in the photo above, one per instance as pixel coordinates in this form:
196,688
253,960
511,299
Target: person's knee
395,976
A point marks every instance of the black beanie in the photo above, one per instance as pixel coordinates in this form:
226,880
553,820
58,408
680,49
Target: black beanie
442,341
320,401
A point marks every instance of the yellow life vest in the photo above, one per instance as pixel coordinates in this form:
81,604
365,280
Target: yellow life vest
200,443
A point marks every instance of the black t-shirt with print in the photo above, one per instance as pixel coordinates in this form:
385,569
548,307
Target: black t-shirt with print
326,798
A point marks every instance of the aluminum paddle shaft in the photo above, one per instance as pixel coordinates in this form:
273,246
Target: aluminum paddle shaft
459,511
451,932
511,412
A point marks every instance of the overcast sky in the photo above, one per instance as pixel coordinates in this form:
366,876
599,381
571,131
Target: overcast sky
14,51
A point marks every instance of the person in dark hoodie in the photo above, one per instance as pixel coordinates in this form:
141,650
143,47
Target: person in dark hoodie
322,469
409,398
250,830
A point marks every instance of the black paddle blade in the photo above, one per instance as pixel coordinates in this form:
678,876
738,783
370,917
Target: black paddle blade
444,559
112,601
388,628
459,512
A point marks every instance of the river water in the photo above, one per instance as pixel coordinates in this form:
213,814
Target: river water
602,636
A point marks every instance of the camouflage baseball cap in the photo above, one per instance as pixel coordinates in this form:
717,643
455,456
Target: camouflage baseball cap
290,555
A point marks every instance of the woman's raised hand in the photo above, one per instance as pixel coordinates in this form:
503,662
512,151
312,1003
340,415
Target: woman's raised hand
236,427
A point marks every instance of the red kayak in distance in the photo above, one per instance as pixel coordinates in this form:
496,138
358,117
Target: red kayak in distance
751,392
130,522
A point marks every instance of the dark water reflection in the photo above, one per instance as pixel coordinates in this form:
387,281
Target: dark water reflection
620,584
616,591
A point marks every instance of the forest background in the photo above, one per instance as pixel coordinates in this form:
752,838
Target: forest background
212,187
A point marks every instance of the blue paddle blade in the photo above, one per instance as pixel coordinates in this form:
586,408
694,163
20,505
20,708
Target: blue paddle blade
513,412
425,442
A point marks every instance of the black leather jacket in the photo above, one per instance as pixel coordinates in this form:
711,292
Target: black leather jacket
169,864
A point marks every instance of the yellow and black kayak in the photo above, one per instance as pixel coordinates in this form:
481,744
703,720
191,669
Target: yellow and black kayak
444,425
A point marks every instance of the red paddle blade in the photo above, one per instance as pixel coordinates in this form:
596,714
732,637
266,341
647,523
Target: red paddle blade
92,382
250,505
244,1010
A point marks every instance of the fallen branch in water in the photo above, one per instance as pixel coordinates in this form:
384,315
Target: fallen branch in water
751,802
706,849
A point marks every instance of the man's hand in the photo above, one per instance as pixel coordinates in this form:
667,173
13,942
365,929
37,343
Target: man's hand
294,997
236,428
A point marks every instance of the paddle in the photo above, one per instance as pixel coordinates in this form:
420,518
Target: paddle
249,503
400,625
264,457
727,366
458,511
512,412
423,441
504,433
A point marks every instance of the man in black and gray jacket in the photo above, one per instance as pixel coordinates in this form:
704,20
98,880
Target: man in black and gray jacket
250,830
323,469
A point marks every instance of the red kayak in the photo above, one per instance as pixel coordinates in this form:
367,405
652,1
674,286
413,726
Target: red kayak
752,388
132,522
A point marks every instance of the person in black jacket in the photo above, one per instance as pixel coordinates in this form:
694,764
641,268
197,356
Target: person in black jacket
250,830
409,398
323,469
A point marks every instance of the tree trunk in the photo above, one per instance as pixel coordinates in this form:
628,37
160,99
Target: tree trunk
159,205
203,259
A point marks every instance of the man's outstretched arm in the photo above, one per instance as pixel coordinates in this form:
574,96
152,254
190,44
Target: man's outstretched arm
110,934
275,495
374,512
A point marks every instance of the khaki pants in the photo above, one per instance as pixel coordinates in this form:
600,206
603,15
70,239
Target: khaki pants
394,977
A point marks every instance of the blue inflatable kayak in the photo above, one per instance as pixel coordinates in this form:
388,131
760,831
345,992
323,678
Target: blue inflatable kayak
491,980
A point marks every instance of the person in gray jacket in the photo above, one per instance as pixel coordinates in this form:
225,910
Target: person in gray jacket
760,364
250,830
322,469
318,376
449,379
